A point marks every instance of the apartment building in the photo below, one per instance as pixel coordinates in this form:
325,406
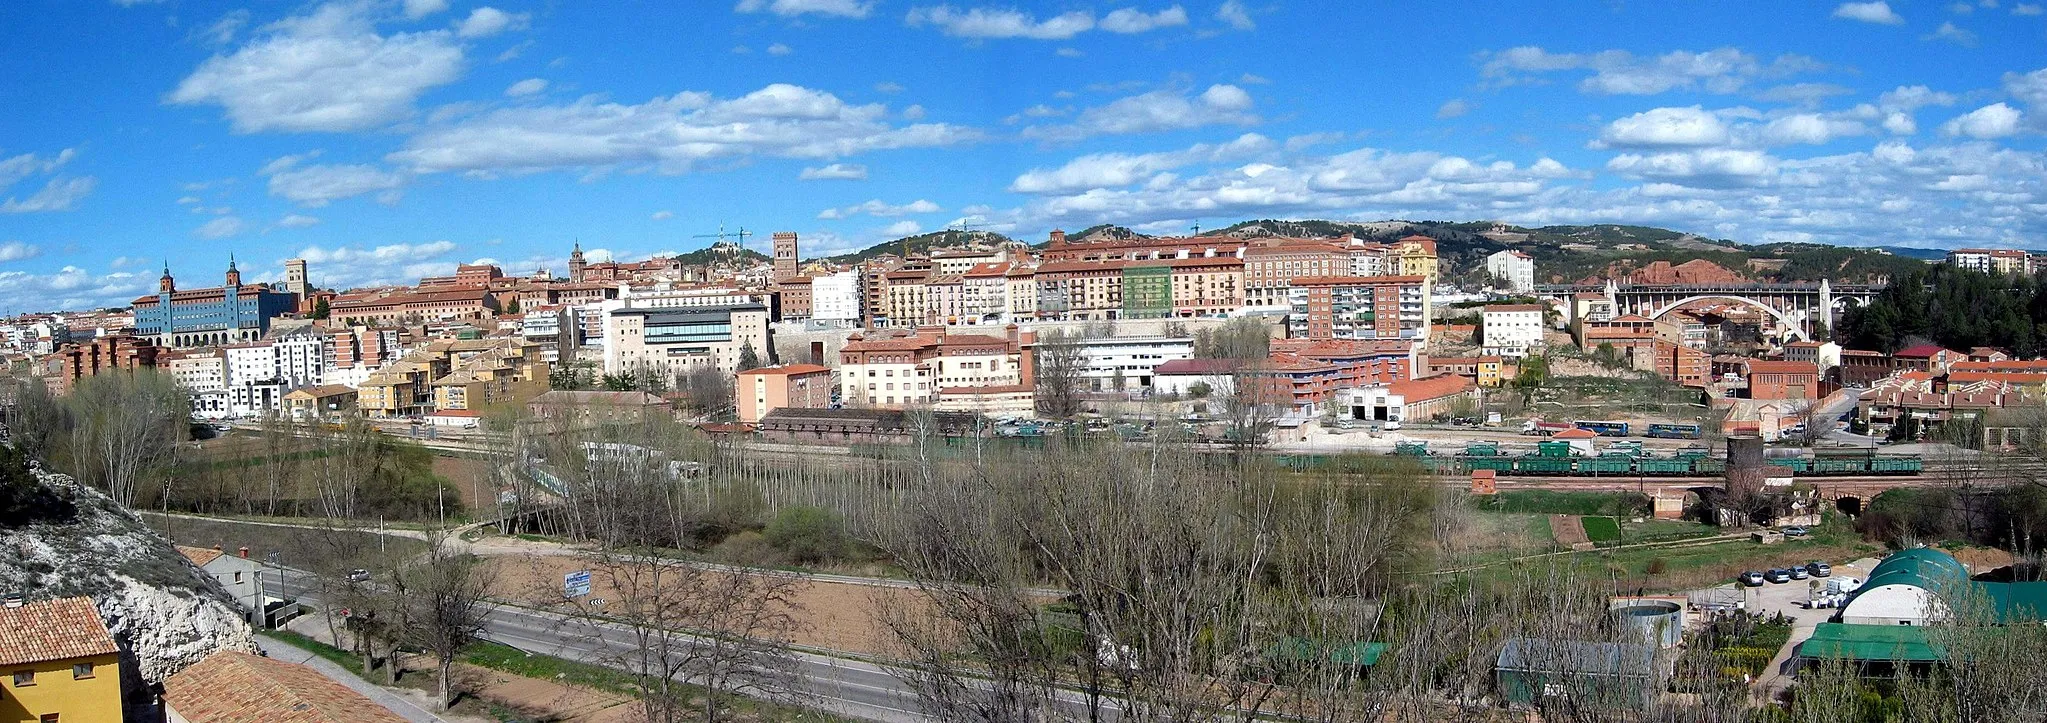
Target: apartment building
1992,261
836,299
959,372
763,390
1359,307
455,374
1514,267
1511,330
793,299
1126,364
669,342
1270,265
1058,249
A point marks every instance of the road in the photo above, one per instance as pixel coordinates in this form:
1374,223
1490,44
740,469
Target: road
843,686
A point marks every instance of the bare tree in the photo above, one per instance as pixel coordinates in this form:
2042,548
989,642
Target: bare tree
443,594
1058,365
127,427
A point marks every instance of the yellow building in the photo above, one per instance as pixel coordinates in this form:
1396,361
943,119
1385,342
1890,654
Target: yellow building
453,374
59,663
1415,256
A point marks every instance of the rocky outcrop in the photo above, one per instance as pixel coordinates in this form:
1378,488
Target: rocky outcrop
164,612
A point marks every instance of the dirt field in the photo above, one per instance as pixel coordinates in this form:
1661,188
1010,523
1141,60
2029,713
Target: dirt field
471,476
837,616
1568,530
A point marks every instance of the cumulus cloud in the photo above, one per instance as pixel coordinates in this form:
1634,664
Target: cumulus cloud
401,263
16,168
1710,167
878,207
1132,20
1233,14
416,9
780,49
2029,88
60,194
223,31
793,8
1913,97
316,186
486,21
673,134
1690,126
219,228
1111,170
1996,120
297,221
324,71
528,86
16,251
834,172
1619,72
1159,110
1949,32
68,288
1871,12
1000,23
662,215
1452,108
902,228
2025,9
1810,128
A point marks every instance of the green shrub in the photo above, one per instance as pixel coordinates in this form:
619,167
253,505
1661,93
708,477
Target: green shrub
808,534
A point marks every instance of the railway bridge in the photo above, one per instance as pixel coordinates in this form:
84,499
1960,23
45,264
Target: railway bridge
1795,306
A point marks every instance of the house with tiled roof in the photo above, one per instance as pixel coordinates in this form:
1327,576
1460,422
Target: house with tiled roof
231,686
1778,379
58,661
894,370
1411,400
1927,357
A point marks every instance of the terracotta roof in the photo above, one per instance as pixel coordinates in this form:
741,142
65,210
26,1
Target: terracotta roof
1197,366
2015,365
1575,433
1960,377
788,370
909,343
47,630
985,270
231,686
1922,351
199,555
1427,388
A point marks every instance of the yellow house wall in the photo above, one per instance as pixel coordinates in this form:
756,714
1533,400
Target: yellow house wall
93,699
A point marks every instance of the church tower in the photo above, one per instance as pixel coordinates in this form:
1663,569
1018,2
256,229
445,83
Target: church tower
576,264
234,276
166,285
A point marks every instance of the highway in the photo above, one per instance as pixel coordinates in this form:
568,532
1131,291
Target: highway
843,686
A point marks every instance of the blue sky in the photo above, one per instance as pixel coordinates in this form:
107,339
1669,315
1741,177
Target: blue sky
389,139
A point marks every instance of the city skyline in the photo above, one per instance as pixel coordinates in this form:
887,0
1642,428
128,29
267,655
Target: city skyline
386,141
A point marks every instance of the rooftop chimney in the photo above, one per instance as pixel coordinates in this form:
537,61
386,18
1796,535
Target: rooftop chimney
243,551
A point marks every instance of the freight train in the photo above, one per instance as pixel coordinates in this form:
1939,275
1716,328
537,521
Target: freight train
1627,459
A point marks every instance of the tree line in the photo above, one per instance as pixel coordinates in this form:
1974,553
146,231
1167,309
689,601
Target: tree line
1955,308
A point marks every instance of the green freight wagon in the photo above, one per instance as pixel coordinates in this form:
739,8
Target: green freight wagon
1607,465
1497,464
1795,464
1656,466
1553,449
1897,464
1543,465
1412,449
1709,465
1840,465
1481,449
1692,452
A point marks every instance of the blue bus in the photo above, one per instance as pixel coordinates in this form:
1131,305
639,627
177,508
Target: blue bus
1605,429
1674,431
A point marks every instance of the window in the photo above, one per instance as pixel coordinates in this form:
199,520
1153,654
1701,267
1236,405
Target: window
48,718
24,678
81,671
238,577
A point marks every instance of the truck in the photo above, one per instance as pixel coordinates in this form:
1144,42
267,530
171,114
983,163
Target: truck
1541,428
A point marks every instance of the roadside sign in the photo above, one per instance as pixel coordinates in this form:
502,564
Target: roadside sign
576,584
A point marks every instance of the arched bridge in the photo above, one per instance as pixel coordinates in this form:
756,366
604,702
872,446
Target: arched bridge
1794,306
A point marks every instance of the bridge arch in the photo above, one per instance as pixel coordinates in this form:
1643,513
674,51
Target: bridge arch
1783,320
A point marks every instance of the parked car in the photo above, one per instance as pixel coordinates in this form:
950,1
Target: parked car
1819,569
358,575
1798,573
1796,531
1392,425
1751,578
1777,576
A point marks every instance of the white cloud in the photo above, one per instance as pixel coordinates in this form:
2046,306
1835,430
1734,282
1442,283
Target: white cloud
793,8
1950,33
1710,167
2029,88
316,186
1233,14
1619,72
223,31
662,215
325,71
294,220
1804,94
1132,20
486,21
187,200
60,194
1159,110
888,87
1810,128
834,172
1110,170
1996,120
902,228
1901,123
219,228
1452,108
1913,97
878,207
1665,127
525,87
416,9
347,267
16,168
780,49
1871,12
2025,9
1069,53
16,251
674,134
69,288
999,23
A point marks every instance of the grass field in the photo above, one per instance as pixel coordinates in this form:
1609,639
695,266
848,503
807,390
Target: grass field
308,549
1601,529
1565,503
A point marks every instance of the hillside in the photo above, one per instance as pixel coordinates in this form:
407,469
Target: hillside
923,243
721,254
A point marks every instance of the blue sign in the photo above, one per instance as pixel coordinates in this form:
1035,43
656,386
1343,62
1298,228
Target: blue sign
576,584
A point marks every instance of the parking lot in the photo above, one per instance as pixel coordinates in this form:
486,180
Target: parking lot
1789,599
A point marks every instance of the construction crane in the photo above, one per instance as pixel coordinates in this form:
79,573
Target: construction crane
721,235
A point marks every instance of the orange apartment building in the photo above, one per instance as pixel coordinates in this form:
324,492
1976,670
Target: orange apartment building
118,352
799,386
1772,379
1359,307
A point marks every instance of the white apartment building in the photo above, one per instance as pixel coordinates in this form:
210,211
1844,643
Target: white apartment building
688,297
301,358
1516,267
1512,329
199,371
835,299
671,341
959,371
1126,364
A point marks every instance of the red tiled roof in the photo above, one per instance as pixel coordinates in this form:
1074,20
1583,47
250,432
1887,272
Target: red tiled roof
199,555
1197,366
1427,388
910,343
1961,377
231,686
1770,366
1575,433
47,630
1922,351
2015,365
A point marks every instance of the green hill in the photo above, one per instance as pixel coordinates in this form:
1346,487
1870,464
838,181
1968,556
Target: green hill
923,243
